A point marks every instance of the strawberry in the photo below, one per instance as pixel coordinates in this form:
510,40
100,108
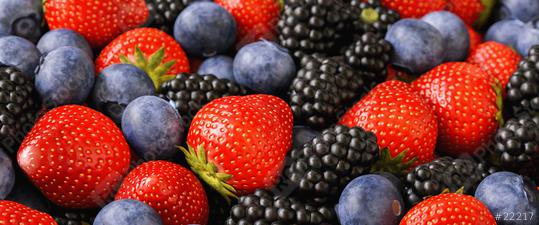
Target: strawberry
97,20
475,39
497,60
13,213
447,209
466,102
173,191
255,18
415,8
150,49
238,144
399,118
468,10
75,155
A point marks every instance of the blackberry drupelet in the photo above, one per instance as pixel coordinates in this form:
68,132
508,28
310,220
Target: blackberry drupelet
163,13
190,91
433,178
322,89
74,217
370,54
372,16
18,108
264,207
523,87
321,169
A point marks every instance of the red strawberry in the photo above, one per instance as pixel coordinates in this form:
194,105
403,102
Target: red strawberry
75,155
497,60
475,39
415,8
255,18
468,10
445,209
13,213
240,143
399,118
162,57
173,191
465,100
97,20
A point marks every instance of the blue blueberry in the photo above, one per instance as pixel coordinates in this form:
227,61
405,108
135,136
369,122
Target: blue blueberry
219,65
417,45
7,175
127,212
370,199
152,127
454,33
303,135
205,29
63,37
116,86
265,67
506,193
529,36
505,32
19,52
65,76
21,18
524,10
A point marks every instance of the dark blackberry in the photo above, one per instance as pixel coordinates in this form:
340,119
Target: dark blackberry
322,168
523,87
18,108
65,216
372,16
264,207
190,91
163,13
433,178
370,54
322,89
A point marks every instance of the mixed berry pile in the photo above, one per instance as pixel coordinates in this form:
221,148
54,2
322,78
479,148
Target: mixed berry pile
269,112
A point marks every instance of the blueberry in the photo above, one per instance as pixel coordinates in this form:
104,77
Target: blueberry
529,36
116,86
417,45
454,33
63,37
524,10
65,76
505,32
205,29
19,52
510,195
21,18
152,127
303,135
7,175
370,199
219,65
265,67
127,212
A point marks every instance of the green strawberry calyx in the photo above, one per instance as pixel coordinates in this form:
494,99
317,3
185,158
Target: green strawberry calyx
208,172
152,65
395,165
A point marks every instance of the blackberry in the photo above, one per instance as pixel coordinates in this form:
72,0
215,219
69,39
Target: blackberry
264,207
65,216
370,54
523,87
190,91
163,13
372,16
322,168
18,108
433,178
322,89
219,207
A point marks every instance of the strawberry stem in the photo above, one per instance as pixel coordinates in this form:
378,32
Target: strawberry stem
396,165
153,65
499,102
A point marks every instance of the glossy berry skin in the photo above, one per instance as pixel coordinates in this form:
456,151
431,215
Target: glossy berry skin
205,29
75,155
149,40
401,120
173,191
65,76
255,19
302,135
98,21
449,209
7,175
19,52
510,193
506,32
415,8
468,10
219,65
497,60
370,199
464,100
21,18
247,137
475,39
527,38
63,37
453,30
12,213
524,10
127,212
